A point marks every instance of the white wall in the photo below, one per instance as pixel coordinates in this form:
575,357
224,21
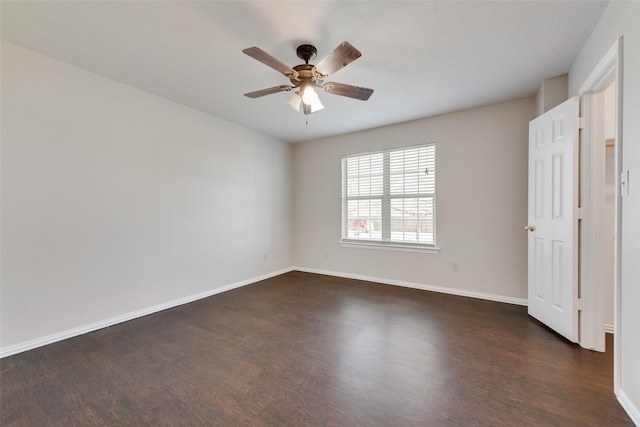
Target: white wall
115,200
621,19
481,202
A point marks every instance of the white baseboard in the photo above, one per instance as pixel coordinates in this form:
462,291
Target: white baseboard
50,339
632,410
609,329
441,289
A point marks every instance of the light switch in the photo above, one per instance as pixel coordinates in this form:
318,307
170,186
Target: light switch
624,184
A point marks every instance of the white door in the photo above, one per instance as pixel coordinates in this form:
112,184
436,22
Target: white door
553,224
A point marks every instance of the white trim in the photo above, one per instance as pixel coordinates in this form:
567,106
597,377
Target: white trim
399,247
592,245
421,286
632,411
617,250
609,69
609,329
599,78
50,339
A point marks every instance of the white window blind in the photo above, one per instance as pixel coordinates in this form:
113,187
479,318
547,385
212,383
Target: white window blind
389,196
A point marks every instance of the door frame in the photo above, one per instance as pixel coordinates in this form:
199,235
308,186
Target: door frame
592,333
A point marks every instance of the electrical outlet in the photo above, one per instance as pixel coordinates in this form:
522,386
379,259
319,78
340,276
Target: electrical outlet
264,257
455,266
326,254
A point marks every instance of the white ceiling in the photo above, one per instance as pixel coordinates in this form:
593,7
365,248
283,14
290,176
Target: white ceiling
422,58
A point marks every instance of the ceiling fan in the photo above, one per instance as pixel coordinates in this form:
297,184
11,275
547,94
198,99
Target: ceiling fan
307,76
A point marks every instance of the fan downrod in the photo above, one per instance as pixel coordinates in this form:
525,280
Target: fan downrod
306,52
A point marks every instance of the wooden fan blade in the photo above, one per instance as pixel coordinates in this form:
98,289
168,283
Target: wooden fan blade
361,93
341,56
268,91
265,58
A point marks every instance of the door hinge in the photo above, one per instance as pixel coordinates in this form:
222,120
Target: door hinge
580,213
579,306
580,122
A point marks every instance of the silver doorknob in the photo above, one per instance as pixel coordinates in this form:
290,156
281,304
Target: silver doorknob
529,228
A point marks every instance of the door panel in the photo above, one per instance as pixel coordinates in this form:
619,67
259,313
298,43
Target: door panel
553,224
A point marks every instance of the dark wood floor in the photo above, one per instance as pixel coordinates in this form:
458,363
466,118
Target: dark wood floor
310,350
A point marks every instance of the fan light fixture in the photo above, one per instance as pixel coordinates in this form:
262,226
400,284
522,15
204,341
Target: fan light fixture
310,97
309,101
307,98
294,102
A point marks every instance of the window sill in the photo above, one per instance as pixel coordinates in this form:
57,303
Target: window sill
389,246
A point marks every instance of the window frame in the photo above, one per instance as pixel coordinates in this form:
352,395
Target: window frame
385,242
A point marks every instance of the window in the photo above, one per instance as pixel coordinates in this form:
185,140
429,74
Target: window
388,197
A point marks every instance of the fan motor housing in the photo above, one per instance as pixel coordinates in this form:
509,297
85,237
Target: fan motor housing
305,72
306,52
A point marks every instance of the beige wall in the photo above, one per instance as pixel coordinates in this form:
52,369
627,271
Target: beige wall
115,200
481,202
621,20
552,92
